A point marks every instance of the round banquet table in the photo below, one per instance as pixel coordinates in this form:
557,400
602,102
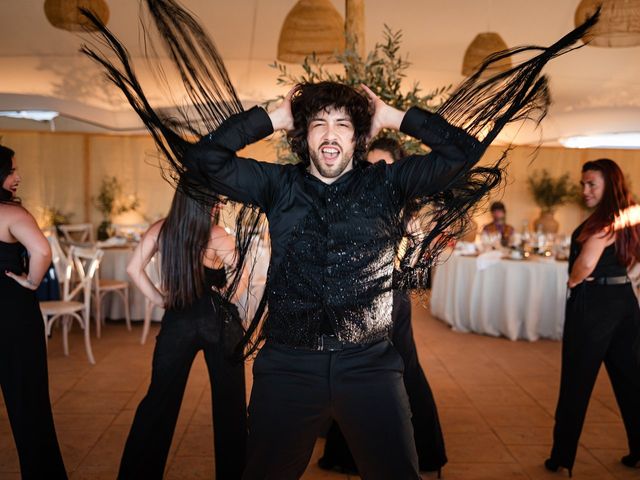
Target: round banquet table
114,266
518,299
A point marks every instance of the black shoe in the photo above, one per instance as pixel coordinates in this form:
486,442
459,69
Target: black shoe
326,464
553,466
631,460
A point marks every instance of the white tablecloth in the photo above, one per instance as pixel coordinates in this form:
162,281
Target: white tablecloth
517,299
114,266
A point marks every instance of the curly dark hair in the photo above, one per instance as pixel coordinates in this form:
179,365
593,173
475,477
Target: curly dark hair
311,98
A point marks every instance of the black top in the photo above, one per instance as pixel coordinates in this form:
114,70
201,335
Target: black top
332,244
203,311
608,263
12,257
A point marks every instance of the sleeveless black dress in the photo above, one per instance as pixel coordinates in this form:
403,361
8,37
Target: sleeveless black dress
602,325
23,372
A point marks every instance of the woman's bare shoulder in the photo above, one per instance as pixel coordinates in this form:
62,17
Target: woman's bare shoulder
12,212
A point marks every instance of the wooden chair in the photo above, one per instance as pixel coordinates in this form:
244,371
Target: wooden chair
77,232
86,263
101,288
153,271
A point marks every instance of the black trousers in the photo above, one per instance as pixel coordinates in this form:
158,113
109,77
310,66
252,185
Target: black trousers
25,383
602,324
147,447
296,392
426,425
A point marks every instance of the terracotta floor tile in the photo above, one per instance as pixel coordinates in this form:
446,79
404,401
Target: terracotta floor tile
476,448
496,400
525,435
107,451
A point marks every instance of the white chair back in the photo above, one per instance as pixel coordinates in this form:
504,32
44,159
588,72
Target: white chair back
77,232
86,262
62,262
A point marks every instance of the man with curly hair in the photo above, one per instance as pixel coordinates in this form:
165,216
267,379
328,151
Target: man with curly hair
335,226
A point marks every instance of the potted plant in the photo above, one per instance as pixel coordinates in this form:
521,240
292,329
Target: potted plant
548,193
382,70
110,202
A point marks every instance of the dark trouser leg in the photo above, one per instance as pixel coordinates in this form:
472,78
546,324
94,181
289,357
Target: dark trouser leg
336,451
289,405
588,329
426,424
371,407
147,447
623,366
25,386
229,412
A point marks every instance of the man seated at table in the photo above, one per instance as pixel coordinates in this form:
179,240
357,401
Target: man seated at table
499,224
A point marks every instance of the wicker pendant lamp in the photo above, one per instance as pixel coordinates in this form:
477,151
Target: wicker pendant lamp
481,47
619,24
311,26
65,14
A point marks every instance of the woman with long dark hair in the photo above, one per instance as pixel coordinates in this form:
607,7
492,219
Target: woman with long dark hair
24,258
195,254
602,316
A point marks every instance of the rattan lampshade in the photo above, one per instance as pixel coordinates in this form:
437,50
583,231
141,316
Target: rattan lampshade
311,26
65,14
619,24
482,46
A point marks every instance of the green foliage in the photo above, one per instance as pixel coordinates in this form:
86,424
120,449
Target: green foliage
51,216
383,70
549,192
110,200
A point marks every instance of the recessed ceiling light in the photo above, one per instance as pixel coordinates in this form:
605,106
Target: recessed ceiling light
38,115
603,140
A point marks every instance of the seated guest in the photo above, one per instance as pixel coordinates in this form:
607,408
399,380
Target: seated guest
499,224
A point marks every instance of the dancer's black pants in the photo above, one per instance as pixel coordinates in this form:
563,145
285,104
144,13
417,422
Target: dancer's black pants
602,324
148,444
296,392
426,425
25,383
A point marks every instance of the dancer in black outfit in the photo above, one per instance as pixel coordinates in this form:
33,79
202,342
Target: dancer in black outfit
424,413
194,252
23,354
602,316
334,229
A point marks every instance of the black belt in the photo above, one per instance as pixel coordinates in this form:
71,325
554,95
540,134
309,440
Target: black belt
621,280
326,343
331,343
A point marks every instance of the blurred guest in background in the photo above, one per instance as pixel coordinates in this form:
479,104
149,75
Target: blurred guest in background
499,225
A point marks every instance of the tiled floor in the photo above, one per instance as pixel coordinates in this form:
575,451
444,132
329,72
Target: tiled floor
496,400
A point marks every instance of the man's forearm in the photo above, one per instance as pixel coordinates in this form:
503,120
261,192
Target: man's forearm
213,161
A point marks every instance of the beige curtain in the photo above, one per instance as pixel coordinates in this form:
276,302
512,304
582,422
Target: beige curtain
54,169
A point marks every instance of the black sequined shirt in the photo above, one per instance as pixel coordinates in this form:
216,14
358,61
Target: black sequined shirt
332,245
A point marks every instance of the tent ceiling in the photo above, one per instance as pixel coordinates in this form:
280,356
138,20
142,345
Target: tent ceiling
594,89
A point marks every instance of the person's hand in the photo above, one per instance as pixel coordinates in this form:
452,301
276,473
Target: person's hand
23,280
281,117
384,116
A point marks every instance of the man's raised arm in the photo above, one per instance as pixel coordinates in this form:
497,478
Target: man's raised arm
452,149
213,160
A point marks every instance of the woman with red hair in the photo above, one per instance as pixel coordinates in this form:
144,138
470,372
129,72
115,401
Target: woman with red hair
602,316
